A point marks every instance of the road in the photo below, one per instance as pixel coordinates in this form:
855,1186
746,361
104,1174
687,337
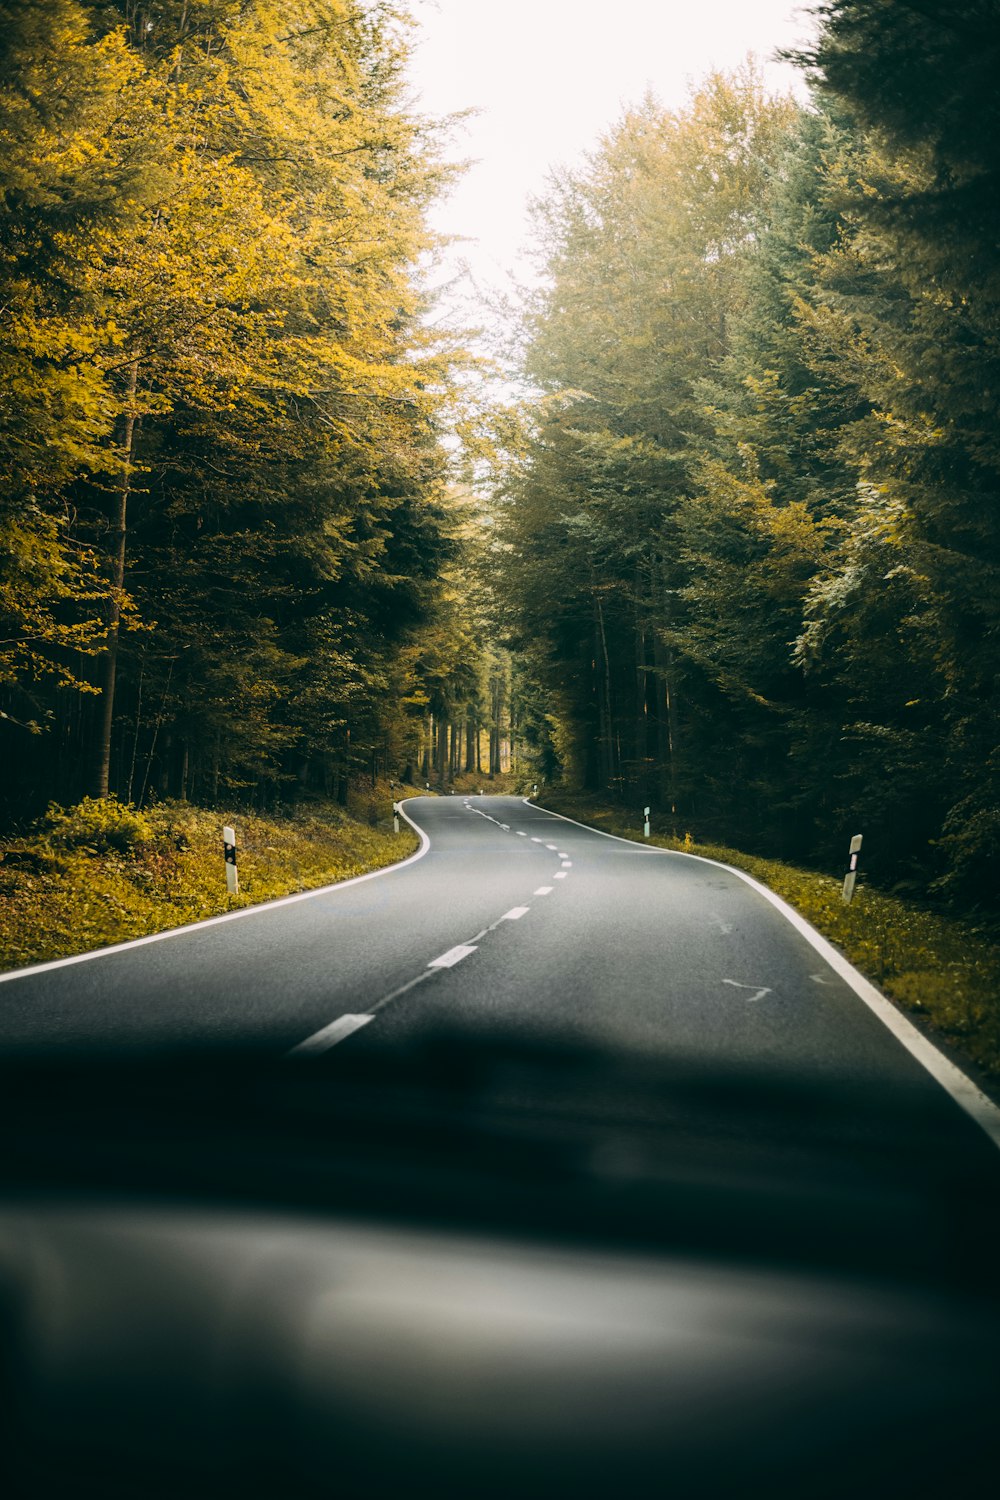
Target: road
619,1169
510,920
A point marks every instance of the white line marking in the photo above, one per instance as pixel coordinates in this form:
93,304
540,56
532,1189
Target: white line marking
229,916
559,875
563,854
514,913
544,890
567,864
552,847
820,979
320,1041
505,827
521,835
966,1095
538,841
737,986
452,957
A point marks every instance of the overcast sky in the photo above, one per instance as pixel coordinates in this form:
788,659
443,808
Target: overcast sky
549,76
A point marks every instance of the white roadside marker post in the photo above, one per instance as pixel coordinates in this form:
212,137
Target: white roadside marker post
850,879
395,817
645,826
229,850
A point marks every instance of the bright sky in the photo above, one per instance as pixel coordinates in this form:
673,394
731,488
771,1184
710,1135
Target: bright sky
549,76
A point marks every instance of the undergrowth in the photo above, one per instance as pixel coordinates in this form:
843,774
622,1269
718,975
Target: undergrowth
102,872
946,972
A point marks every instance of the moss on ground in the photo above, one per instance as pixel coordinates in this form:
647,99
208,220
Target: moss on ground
945,971
101,873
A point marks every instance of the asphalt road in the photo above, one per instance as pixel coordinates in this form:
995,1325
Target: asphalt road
510,920
648,1182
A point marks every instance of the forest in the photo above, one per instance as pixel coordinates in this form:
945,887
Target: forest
735,553
753,523
231,559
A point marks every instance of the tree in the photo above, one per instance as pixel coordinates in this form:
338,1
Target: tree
262,473
642,252
914,292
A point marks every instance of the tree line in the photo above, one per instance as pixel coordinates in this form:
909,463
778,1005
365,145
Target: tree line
228,543
749,538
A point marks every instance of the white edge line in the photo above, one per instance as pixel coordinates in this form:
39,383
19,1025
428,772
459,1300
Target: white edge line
337,1031
227,916
971,1099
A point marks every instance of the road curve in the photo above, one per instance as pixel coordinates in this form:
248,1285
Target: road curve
509,919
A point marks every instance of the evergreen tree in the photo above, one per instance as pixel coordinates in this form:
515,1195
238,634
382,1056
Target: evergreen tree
913,293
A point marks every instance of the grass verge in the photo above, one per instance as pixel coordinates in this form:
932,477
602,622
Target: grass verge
101,873
944,971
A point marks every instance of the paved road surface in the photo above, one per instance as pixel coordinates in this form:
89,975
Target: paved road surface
510,919
646,1187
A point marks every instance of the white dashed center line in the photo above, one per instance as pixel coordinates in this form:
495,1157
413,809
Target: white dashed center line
452,957
537,841
544,890
551,846
559,875
514,913
330,1035
567,864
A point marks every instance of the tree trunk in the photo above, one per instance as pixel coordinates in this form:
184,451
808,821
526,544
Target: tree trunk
605,746
442,753
666,721
109,661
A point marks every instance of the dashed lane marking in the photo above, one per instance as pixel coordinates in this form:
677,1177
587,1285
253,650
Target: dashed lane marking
544,890
514,913
452,957
559,875
321,1041
965,1093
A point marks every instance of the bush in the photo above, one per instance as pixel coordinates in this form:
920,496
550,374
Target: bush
104,825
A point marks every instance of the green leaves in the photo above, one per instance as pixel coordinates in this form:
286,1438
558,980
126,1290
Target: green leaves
754,540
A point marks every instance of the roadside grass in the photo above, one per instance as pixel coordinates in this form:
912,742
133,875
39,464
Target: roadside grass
102,872
944,971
